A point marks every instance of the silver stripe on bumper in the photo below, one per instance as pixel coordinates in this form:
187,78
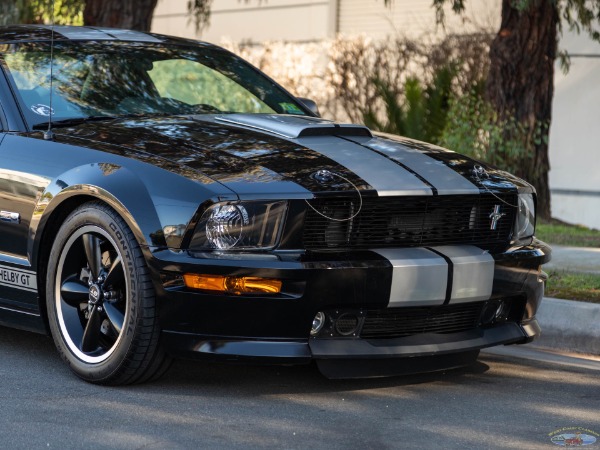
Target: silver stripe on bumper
473,273
420,276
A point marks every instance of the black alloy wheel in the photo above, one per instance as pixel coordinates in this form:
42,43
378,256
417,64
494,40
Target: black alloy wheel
100,300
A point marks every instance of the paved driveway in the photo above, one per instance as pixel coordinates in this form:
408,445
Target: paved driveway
504,401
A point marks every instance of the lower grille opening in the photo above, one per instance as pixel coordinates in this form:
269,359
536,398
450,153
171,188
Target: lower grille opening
410,321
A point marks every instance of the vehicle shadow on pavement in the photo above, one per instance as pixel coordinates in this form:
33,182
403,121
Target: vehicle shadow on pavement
35,354
271,379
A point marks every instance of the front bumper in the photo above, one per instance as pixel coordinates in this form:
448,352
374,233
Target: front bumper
357,358
277,329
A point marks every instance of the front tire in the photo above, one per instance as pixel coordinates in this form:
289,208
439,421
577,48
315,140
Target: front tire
101,301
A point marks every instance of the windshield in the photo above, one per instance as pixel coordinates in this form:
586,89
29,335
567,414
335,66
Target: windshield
93,79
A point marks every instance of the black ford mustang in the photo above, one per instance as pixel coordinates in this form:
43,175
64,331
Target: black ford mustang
160,197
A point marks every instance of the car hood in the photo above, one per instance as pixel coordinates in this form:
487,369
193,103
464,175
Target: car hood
294,156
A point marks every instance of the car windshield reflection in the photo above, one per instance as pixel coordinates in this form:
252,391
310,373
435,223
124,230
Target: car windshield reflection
124,79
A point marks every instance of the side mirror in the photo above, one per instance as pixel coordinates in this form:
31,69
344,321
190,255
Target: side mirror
310,104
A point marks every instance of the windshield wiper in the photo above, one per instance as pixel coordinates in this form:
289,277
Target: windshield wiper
79,120
72,121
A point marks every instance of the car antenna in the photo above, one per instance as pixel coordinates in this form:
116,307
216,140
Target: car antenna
49,134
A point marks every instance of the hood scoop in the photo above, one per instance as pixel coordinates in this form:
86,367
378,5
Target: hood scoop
293,127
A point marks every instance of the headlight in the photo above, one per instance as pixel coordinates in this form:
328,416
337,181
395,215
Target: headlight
525,223
239,225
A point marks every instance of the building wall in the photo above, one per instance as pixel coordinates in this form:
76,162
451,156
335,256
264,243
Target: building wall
413,18
575,134
290,20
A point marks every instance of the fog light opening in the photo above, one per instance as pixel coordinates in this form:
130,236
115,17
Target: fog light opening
501,312
347,324
494,312
317,323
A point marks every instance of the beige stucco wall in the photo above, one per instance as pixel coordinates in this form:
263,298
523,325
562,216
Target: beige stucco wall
307,20
291,20
413,18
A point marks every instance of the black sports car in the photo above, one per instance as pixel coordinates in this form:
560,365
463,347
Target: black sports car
161,197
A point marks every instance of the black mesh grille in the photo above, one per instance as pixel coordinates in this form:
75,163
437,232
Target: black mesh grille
410,222
401,322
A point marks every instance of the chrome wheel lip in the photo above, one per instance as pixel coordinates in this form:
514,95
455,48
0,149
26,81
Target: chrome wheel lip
94,229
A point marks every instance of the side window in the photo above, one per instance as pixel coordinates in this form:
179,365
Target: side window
30,72
194,83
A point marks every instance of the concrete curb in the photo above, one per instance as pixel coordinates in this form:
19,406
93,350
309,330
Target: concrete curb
569,325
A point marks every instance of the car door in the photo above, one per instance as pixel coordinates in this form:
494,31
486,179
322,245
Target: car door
20,189
19,193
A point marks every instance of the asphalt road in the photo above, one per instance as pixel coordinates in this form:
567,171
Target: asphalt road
512,400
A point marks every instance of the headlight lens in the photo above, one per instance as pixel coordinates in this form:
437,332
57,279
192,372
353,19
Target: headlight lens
225,225
525,223
239,225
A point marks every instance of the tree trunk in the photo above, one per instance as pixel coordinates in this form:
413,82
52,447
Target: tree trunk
133,15
521,82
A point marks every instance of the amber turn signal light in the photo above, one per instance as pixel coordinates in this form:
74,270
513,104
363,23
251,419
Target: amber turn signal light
232,285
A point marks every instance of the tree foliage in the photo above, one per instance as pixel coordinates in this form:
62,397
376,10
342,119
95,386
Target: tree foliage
475,129
71,12
421,112
200,11
66,12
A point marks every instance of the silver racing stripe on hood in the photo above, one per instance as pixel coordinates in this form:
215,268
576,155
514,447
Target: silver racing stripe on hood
445,180
384,175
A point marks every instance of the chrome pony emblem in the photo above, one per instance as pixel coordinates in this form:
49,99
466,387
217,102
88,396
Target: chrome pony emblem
495,216
479,172
94,294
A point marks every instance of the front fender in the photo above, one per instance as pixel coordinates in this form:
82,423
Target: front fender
144,211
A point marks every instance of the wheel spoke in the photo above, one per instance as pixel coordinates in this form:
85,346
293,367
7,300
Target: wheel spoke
90,340
115,316
74,292
115,274
91,244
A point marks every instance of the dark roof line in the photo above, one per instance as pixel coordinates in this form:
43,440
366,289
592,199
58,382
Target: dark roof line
100,34
21,33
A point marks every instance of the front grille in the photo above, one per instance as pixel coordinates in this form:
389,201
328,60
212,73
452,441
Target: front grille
410,221
401,322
